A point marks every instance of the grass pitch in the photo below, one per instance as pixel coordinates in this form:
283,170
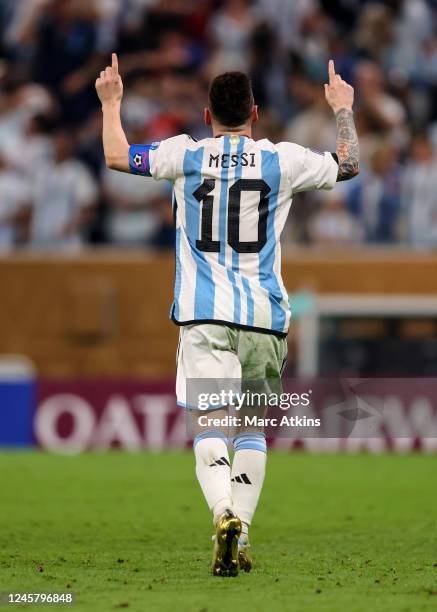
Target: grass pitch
332,533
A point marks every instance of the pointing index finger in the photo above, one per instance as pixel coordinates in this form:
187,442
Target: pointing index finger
331,70
115,62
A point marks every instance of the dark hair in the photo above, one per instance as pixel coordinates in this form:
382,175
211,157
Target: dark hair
231,98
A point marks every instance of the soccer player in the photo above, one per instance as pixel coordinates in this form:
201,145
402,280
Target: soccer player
232,195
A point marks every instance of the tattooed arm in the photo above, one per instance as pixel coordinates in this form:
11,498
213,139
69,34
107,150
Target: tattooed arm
347,145
340,97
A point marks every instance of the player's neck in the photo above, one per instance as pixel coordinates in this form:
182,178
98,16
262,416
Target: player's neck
243,130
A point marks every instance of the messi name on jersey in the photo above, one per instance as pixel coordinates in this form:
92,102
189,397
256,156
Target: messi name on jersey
231,160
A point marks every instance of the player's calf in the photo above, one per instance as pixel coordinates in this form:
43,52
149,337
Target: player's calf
213,471
247,477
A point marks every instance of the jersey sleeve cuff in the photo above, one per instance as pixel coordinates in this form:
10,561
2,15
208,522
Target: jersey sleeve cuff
332,173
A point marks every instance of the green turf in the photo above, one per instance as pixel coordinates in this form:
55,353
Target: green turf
334,532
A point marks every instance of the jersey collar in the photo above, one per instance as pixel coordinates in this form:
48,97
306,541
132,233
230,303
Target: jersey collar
231,134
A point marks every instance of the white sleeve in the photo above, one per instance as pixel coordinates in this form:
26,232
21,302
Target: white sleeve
308,169
160,160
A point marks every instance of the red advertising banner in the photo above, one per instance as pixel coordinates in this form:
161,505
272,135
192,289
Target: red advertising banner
365,415
76,415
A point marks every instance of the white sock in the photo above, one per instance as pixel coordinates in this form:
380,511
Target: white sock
213,471
247,476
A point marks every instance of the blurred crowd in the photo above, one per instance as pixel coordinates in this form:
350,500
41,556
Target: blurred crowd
55,191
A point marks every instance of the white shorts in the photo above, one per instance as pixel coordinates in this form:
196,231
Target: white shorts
221,354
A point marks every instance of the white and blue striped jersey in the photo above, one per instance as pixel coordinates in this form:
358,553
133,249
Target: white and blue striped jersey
232,196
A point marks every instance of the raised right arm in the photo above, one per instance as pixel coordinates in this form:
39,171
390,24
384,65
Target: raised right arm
109,88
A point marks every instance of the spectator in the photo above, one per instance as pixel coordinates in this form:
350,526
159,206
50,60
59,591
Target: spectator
288,19
378,111
14,206
375,198
64,194
334,224
64,36
374,30
52,50
419,193
18,104
230,29
313,126
32,148
133,216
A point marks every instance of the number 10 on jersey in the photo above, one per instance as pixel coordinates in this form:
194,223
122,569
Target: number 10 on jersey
235,202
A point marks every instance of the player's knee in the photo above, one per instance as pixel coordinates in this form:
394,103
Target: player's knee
255,440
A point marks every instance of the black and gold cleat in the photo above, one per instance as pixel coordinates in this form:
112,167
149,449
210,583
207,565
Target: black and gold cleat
244,557
225,556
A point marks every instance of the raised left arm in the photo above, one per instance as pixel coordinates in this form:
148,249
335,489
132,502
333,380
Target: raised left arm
347,150
340,97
